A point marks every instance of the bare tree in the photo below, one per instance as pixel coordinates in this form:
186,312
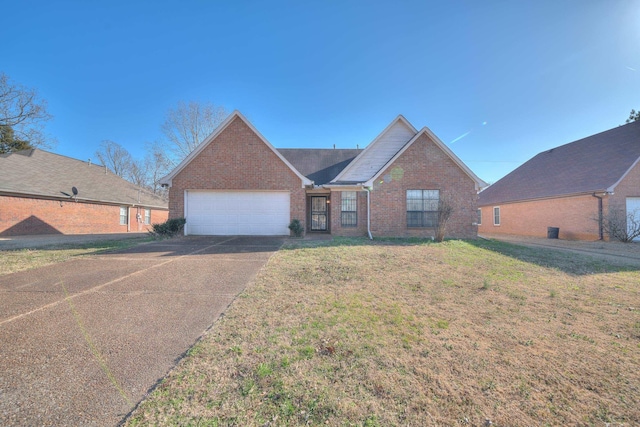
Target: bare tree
115,157
621,225
137,173
157,165
189,124
23,111
445,210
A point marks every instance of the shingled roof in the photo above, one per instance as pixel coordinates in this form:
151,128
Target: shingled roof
43,174
593,164
319,165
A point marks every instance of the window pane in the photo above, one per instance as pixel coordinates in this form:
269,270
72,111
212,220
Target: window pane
479,216
422,208
414,219
123,215
430,219
414,205
431,205
414,194
349,219
432,194
348,201
496,216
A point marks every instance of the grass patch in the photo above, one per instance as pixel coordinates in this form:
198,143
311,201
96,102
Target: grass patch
24,259
358,333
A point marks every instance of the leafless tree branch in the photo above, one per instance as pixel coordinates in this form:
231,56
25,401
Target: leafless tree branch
23,111
186,126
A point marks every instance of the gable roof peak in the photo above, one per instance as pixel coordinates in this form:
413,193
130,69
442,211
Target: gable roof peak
379,151
217,131
596,163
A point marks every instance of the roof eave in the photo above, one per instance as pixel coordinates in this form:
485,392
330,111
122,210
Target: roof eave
554,196
612,188
11,193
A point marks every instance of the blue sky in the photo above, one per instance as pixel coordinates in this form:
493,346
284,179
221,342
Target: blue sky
498,81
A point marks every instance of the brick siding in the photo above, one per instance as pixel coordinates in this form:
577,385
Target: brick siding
30,216
237,160
423,166
575,216
336,218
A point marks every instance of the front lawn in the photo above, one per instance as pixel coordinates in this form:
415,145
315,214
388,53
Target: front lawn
15,260
359,333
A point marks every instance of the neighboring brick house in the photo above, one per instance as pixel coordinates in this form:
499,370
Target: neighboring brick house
237,183
37,197
574,187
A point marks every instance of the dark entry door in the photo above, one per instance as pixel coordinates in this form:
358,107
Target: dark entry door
319,213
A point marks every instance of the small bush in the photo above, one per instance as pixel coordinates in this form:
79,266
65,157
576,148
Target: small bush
167,229
296,228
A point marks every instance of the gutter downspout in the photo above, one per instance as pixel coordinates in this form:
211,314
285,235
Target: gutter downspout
369,213
600,217
128,219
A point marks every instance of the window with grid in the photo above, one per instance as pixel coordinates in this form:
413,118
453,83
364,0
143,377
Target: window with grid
422,208
479,216
147,216
123,215
496,215
349,211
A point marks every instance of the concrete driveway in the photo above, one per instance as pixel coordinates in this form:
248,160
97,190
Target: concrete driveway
81,342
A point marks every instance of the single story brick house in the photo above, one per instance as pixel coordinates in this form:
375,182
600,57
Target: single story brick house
237,183
37,197
574,187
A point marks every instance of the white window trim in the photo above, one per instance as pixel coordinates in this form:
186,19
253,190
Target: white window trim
126,215
499,216
480,216
342,209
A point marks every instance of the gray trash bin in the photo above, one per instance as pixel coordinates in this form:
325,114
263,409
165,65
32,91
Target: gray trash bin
553,232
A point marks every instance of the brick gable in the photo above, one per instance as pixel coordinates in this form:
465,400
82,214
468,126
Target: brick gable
236,159
422,166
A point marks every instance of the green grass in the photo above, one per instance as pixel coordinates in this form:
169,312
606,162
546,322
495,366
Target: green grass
12,261
359,333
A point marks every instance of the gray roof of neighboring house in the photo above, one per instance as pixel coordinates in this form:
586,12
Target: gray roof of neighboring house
593,164
319,165
41,173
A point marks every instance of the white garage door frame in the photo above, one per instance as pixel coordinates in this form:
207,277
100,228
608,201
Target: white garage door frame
234,213
633,208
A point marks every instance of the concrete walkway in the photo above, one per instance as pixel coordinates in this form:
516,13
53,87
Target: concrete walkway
81,342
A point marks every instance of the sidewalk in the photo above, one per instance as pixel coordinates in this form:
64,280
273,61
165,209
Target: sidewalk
44,240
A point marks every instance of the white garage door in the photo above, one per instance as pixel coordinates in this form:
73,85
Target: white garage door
237,213
633,211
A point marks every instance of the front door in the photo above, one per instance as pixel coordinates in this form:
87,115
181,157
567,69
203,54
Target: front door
318,213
